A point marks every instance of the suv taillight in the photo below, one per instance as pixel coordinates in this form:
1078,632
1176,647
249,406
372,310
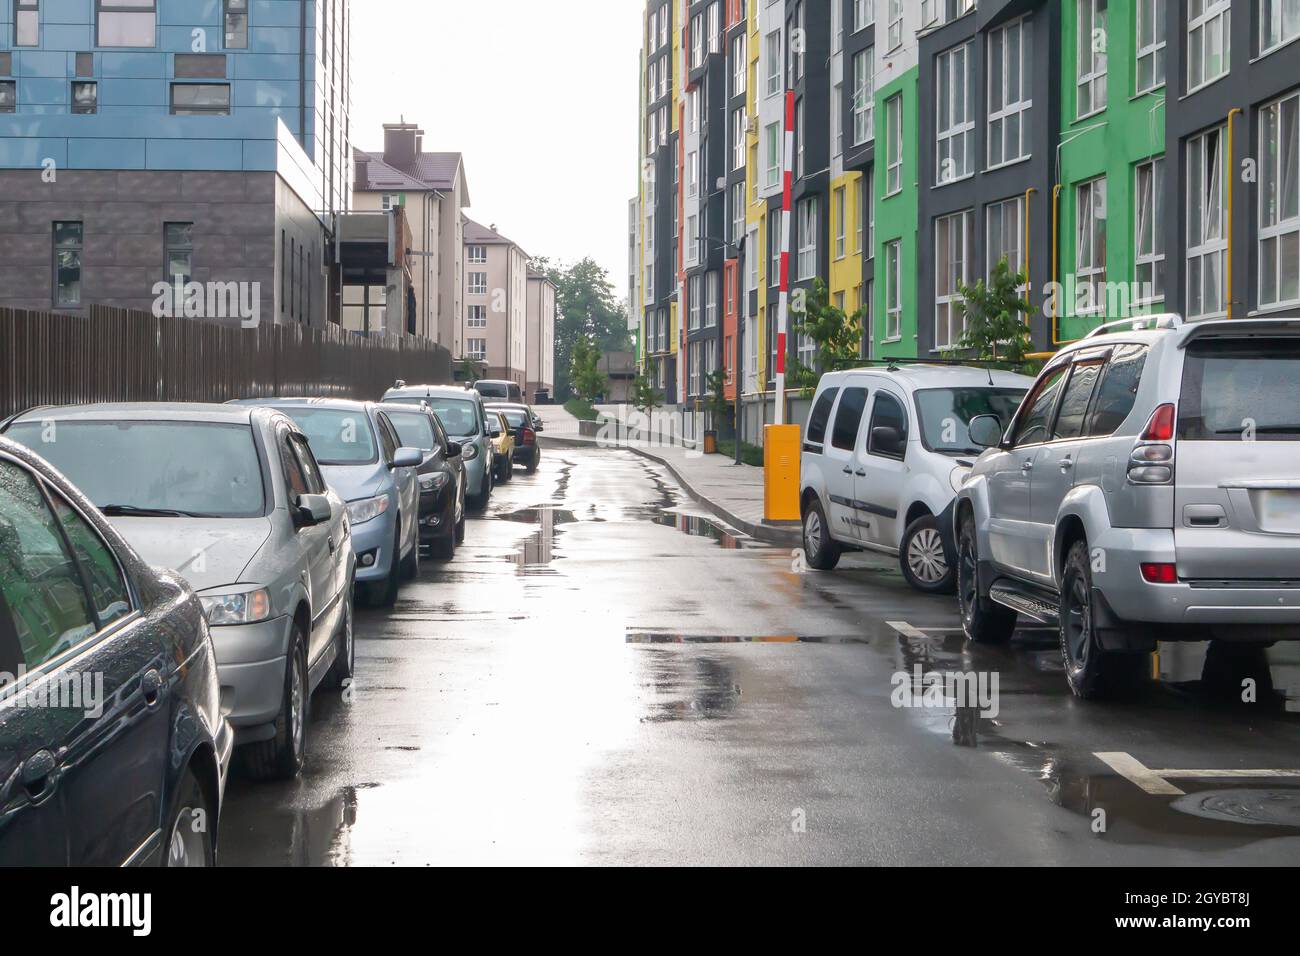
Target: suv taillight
1152,462
529,436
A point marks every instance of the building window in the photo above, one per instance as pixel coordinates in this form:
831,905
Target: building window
8,96
808,239
1279,23
478,254
893,290
715,28
236,24
178,253
864,92
1009,93
796,55
956,116
739,63
953,239
738,139
1090,245
841,227
752,175
894,144
710,300
1091,52
85,97
772,59
799,137
692,238
694,303
1206,215
864,14
866,212
27,23
477,283
1279,203
1209,24
774,247
895,24
772,136
1004,223
477,318
693,174
1150,226
126,23
737,212
201,99
1150,45
67,264
476,349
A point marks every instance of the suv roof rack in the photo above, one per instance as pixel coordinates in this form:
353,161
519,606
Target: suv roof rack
1139,323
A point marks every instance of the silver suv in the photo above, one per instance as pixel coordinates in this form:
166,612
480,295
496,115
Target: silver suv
1147,490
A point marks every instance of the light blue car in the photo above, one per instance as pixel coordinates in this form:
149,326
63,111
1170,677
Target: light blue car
362,459
464,416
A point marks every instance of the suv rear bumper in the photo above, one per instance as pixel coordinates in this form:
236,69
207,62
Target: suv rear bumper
1251,612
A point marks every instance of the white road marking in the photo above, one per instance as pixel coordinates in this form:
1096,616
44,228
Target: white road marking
1157,781
907,630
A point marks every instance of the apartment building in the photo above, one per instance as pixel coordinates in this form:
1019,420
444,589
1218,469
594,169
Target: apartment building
153,142
539,361
495,320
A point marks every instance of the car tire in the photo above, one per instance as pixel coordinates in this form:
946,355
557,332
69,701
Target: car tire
924,559
190,827
536,460
460,522
1091,672
282,757
820,550
480,501
993,624
345,654
508,469
411,563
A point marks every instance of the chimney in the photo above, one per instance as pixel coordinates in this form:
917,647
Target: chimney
402,142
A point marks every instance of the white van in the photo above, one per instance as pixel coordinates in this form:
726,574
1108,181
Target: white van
884,452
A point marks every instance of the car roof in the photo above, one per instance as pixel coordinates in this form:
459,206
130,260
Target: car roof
333,404
517,406
914,377
143,411
430,391
496,381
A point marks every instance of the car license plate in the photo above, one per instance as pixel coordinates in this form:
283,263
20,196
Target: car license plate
1280,511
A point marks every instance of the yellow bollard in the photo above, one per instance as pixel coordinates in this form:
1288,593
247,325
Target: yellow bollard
782,447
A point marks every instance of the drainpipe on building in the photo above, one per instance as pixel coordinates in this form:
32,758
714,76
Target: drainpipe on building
1232,161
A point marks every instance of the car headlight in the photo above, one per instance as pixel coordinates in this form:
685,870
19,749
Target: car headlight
430,484
958,478
367,509
244,607
469,452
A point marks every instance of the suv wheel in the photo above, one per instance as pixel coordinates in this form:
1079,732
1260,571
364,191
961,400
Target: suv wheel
190,830
991,624
819,548
1091,671
924,559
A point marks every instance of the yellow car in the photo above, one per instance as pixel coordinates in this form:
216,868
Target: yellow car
503,446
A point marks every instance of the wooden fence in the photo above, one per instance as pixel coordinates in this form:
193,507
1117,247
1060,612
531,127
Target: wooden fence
120,355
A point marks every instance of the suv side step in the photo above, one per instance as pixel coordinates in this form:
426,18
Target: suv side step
1026,601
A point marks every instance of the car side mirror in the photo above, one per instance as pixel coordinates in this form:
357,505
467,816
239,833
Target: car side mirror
887,439
538,426
986,431
408,458
453,449
312,510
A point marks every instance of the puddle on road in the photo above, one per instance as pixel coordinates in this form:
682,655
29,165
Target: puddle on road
698,526
698,688
654,637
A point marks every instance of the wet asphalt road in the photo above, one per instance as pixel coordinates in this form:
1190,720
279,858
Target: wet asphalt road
603,676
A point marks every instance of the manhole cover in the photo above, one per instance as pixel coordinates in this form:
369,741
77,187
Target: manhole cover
1279,808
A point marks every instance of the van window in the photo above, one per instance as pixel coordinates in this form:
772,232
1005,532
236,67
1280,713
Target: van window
887,413
1241,391
821,416
848,420
1077,398
1118,390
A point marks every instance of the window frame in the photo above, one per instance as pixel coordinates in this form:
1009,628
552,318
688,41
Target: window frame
1284,225
864,93
1096,76
79,247
807,221
1208,246
103,7
1156,257
200,110
32,8
950,129
1085,194
1156,50
1018,108
894,145
893,254
1212,11
1266,48
240,8
947,300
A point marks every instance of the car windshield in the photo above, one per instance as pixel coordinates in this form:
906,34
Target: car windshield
414,429
946,414
493,389
155,469
516,419
457,416
336,437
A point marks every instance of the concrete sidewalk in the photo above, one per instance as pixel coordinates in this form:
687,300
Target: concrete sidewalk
732,492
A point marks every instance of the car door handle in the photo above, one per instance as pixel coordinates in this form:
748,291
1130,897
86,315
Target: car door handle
151,687
848,471
1027,466
860,473
333,546
36,773
1067,464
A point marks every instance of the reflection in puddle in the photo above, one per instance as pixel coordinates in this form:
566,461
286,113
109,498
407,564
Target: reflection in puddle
538,550
696,688
653,637
701,527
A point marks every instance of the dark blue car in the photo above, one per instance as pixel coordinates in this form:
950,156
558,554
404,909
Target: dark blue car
113,748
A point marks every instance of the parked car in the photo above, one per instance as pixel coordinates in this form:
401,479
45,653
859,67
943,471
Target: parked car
520,419
502,390
884,452
234,500
363,459
1146,490
441,477
503,445
134,771
462,414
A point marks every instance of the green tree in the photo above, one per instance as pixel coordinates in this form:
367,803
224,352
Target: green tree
715,383
836,335
645,396
997,318
586,311
468,371
586,380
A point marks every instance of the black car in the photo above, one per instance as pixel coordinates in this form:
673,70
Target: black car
113,748
524,423
441,476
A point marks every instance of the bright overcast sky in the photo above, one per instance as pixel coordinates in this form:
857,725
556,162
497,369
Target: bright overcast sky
541,97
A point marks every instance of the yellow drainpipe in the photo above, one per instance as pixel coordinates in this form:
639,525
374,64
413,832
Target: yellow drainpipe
1231,177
